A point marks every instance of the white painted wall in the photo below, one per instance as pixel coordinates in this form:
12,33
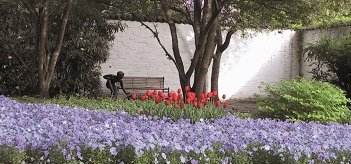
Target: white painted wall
248,61
313,36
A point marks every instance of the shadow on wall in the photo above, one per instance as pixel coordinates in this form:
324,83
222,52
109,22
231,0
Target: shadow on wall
259,57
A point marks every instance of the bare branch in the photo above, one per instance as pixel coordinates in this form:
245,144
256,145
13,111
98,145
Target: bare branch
155,33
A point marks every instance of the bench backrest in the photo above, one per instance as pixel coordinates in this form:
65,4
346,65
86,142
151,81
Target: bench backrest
144,83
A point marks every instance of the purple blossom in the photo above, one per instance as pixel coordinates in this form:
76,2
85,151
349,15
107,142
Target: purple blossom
43,126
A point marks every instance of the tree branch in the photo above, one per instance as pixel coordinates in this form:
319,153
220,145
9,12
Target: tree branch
225,45
155,33
183,12
59,41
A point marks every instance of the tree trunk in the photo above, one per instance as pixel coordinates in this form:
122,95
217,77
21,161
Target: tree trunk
217,57
47,59
202,68
215,72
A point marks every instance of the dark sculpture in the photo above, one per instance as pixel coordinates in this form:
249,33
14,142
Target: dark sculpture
112,79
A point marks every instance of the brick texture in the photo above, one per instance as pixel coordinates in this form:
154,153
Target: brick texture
251,58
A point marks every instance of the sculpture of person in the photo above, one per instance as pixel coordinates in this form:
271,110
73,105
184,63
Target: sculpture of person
112,79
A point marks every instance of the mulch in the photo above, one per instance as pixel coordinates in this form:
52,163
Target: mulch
242,105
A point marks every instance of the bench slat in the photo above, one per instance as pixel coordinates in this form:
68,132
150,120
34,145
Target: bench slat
144,83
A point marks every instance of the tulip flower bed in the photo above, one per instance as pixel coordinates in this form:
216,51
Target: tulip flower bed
154,103
37,133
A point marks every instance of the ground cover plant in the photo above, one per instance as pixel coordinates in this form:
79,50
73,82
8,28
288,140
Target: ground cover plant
303,100
41,133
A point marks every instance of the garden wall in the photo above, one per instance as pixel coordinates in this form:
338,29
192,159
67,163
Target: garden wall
250,59
313,36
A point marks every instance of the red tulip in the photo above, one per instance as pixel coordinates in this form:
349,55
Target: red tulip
188,101
175,105
175,97
195,103
225,105
224,96
199,105
134,96
180,96
210,95
155,92
179,90
143,98
148,93
187,88
182,105
217,103
203,100
158,100
167,102
191,95
169,94
215,93
160,93
202,95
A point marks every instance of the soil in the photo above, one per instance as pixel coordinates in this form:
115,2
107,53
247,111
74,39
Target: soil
242,105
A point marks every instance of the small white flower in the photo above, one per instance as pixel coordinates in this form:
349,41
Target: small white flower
267,147
182,159
9,57
164,156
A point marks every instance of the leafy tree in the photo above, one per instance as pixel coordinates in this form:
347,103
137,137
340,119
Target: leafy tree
209,18
330,12
49,49
87,37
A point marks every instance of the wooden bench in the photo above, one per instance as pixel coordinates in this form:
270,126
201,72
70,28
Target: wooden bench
140,84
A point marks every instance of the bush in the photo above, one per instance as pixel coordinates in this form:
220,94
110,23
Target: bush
86,45
332,61
305,100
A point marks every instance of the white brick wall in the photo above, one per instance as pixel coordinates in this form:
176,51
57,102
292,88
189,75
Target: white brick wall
248,61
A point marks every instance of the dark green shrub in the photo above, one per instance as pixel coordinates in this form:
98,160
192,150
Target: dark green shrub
332,61
306,100
86,44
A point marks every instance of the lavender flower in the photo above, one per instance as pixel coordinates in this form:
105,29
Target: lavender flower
44,126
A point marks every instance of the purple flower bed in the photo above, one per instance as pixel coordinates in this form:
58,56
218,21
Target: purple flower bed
43,126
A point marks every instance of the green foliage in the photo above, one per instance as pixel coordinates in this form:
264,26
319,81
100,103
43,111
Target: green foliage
136,107
255,153
305,100
86,44
331,59
327,13
11,155
17,46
